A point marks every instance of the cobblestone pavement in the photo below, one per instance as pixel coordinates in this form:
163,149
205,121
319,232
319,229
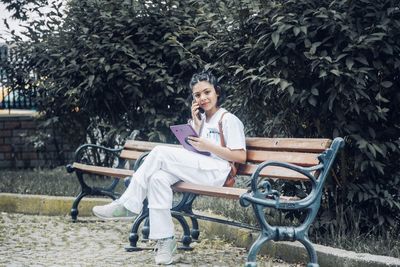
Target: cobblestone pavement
27,240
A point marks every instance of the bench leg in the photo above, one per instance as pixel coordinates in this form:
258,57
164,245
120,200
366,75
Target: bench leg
90,191
311,252
146,229
195,232
74,208
186,238
133,235
144,217
187,208
252,256
86,192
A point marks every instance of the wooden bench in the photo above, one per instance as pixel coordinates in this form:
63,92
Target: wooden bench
268,159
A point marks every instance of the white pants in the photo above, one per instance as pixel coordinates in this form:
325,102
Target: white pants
163,167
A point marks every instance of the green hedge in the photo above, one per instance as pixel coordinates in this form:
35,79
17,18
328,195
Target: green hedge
327,69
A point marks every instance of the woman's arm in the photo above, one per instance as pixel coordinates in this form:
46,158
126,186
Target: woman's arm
202,144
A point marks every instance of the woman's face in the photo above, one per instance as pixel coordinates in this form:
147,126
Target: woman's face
205,95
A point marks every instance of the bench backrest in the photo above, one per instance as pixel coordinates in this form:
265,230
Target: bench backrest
299,151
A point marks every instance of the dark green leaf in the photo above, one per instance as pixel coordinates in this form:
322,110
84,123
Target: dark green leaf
349,63
386,84
275,38
313,101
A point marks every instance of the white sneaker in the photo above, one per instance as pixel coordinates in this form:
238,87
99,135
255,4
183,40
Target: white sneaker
165,250
113,211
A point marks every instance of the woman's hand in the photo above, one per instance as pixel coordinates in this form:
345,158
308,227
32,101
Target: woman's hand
196,115
200,144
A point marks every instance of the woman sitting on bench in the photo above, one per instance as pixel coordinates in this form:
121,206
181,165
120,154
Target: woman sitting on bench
164,166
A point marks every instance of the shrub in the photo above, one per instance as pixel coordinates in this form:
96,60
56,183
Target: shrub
327,69
114,67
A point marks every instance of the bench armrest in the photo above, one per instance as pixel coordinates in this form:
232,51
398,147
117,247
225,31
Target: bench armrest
97,155
262,193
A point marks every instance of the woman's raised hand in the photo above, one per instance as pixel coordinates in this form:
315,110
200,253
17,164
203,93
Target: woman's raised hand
196,115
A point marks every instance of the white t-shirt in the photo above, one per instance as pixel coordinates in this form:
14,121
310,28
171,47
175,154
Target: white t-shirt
231,126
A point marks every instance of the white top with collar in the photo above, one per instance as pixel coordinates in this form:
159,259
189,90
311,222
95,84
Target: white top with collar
231,126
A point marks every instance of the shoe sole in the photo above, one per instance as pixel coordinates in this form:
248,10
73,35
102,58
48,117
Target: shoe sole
112,218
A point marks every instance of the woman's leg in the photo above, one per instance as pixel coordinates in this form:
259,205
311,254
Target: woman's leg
178,162
163,167
160,197
161,224
133,199
186,165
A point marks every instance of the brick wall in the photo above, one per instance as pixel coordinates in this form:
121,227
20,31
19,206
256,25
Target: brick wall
18,151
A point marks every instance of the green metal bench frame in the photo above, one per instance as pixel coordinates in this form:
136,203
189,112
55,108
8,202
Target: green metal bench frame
259,196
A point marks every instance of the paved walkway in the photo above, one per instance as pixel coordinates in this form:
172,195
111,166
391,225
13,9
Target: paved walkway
30,240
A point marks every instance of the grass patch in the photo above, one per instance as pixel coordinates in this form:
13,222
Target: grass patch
52,182
387,244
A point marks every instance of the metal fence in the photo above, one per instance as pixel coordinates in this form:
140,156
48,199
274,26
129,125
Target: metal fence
15,97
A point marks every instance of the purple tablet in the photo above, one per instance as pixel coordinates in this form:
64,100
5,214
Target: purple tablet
182,132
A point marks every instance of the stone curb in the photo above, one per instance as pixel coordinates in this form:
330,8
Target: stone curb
289,251
6,113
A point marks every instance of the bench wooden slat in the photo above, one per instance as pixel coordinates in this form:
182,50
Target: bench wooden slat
120,173
212,191
302,159
298,158
272,172
133,150
144,145
288,144
316,145
131,154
